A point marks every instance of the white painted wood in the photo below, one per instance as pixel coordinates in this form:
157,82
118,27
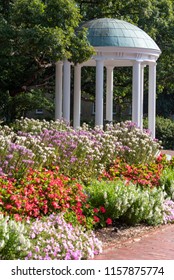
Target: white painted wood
99,93
66,90
58,90
109,93
152,98
141,96
77,96
136,89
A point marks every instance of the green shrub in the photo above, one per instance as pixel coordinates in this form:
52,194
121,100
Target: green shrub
164,132
147,207
167,181
128,202
13,241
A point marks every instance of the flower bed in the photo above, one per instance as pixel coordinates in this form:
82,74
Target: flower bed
76,181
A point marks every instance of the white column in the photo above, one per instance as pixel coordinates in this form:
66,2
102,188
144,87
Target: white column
77,96
152,98
109,93
58,90
99,93
141,96
136,89
66,90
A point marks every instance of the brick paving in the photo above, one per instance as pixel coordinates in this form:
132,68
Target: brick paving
156,245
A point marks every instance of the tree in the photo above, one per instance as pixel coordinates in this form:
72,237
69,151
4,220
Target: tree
34,34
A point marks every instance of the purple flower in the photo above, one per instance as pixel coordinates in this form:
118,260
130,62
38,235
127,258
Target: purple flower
9,156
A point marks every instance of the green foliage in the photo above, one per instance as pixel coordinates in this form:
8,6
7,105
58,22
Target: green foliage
167,181
147,207
126,202
12,108
164,131
32,12
33,35
14,242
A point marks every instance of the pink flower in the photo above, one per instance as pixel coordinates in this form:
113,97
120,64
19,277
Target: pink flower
17,217
8,206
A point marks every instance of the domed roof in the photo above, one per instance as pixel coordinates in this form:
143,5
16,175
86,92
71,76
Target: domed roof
117,33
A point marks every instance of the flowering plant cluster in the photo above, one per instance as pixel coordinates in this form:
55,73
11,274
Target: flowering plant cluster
145,175
14,242
41,193
38,163
99,215
82,153
127,202
19,152
138,146
54,239
35,126
168,211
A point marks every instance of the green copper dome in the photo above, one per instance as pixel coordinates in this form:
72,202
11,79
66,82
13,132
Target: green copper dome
117,33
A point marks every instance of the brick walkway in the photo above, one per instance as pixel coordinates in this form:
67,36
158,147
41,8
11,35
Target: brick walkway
157,245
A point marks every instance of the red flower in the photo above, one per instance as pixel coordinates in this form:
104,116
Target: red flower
55,205
102,209
109,221
96,210
96,219
79,204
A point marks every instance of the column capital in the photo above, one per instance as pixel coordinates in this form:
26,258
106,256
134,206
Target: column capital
78,65
59,62
110,67
101,59
138,61
152,63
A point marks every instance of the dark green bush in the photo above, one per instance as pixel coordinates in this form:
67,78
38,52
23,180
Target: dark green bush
164,132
